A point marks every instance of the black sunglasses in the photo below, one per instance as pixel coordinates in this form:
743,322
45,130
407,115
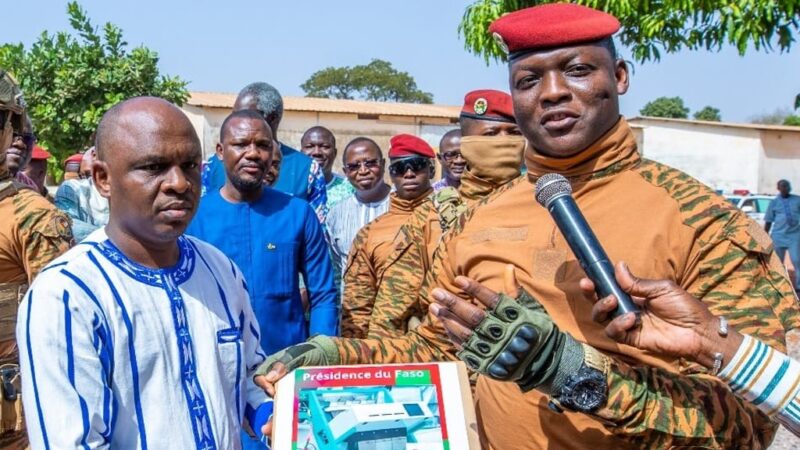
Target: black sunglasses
416,164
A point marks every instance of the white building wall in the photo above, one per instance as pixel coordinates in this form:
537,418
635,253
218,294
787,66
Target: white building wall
722,158
780,160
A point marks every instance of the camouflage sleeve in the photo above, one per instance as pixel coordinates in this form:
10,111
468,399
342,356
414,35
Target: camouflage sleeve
654,408
428,342
43,232
396,300
733,270
360,287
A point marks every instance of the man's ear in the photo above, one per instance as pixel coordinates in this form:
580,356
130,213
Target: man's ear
101,178
218,151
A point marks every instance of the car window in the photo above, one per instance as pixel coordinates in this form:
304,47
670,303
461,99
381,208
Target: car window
749,202
734,200
762,204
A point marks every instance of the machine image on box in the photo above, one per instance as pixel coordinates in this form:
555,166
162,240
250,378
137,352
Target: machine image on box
379,418
389,407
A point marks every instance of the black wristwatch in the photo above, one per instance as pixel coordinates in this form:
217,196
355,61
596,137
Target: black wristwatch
585,391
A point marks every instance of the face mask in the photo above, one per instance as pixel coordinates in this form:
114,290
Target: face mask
496,159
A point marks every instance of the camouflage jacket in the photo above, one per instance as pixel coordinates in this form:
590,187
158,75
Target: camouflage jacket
400,282
33,233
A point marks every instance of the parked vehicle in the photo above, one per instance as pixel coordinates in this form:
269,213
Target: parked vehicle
754,205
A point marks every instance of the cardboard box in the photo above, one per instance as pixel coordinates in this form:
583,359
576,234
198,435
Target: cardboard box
376,407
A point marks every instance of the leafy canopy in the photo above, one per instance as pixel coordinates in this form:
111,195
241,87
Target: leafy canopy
653,26
70,81
670,107
708,113
377,81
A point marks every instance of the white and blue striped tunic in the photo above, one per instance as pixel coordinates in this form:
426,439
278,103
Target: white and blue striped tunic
768,379
117,355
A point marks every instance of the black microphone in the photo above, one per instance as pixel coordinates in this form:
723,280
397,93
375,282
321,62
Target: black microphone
554,192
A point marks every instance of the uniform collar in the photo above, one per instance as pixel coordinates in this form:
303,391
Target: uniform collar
614,152
398,205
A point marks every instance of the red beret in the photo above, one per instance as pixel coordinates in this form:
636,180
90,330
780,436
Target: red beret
552,25
405,145
39,153
488,104
76,158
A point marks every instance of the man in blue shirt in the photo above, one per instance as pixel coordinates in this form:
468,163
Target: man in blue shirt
783,221
270,235
300,175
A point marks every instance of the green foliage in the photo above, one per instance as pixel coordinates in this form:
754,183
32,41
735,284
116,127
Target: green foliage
377,81
653,26
670,107
70,81
792,120
708,113
776,117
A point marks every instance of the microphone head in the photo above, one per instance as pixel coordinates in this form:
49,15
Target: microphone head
551,185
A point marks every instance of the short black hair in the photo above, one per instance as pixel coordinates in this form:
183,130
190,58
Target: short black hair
360,140
455,132
608,43
241,114
319,129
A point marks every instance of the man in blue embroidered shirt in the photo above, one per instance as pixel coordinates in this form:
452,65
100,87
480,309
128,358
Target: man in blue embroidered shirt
139,336
300,176
270,235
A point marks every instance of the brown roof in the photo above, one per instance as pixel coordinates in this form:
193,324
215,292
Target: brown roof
642,120
223,100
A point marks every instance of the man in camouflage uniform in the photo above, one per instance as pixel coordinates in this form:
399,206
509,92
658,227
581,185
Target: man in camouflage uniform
491,145
32,233
660,221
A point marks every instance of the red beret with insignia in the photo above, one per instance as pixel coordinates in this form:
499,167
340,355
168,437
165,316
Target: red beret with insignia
552,25
39,153
488,104
405,145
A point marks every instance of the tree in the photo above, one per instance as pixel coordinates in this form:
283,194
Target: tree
670,107
377,81
776,117
69,82
793,120
708,113
652,26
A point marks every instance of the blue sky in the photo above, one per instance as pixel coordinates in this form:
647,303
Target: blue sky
221,46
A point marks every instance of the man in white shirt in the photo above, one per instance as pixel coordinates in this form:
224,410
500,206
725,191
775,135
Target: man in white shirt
140,336
364,167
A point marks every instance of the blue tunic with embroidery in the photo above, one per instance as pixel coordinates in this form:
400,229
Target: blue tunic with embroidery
272,240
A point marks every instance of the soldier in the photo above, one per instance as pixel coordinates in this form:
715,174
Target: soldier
566,80
411,169
493,150
32,233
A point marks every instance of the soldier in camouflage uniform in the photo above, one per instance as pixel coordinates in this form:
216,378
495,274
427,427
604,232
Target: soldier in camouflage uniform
32,233
660,221
493,150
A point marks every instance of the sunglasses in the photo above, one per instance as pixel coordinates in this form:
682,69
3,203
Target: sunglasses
368,164
415,164
451,155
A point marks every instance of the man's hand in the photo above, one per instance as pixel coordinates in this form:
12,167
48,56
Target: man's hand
672,321
514,339
317,351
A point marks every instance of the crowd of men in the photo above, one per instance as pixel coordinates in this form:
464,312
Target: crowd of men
157,298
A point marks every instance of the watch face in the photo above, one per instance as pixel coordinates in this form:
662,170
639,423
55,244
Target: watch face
587,395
